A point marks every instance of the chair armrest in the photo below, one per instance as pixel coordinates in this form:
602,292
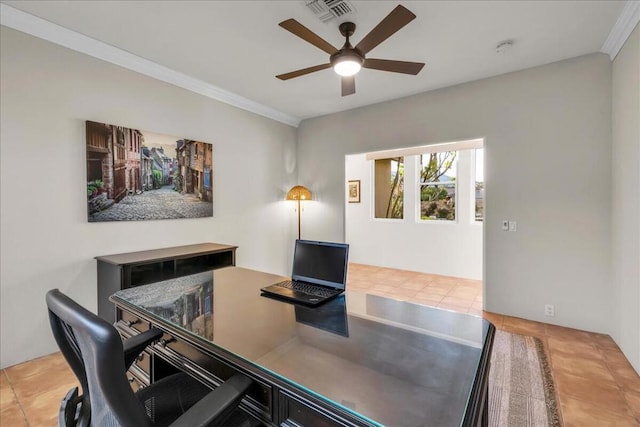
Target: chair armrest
212,409
136,344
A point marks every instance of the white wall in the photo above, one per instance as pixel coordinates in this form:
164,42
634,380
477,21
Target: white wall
625,225
47,94
547,150
450,248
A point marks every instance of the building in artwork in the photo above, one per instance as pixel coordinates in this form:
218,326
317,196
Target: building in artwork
113,160
163,163
133,141
146,169
195,162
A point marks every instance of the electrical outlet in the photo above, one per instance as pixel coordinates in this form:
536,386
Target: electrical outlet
505,225
513,226
549,310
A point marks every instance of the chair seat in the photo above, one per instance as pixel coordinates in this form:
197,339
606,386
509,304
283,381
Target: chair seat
165,400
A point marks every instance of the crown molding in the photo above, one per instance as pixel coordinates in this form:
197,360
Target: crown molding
622,29
38,27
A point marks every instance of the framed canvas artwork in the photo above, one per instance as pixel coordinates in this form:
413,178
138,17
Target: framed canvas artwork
135,175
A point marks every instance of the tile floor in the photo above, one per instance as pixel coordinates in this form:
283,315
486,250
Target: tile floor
595,384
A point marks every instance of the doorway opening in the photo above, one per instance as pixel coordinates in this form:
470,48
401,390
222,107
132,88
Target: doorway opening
416,232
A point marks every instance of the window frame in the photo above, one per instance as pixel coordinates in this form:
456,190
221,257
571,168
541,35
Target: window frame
421,184
474,165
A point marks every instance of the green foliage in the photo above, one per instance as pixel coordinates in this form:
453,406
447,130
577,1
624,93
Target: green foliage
443,213
431,209
94,188
157,178
429,193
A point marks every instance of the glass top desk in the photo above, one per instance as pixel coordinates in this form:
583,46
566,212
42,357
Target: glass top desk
359,360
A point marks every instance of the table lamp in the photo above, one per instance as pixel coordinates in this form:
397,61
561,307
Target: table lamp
299,193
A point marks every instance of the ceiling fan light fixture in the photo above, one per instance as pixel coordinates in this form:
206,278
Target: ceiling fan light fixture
347,62
347,67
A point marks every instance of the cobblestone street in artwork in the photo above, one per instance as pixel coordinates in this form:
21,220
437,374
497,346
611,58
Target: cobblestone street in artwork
164,203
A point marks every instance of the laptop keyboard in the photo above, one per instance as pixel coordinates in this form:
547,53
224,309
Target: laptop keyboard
306,289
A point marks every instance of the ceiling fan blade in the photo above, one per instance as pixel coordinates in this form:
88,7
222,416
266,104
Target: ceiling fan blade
398,18
348,85
302,72
393,66
307,35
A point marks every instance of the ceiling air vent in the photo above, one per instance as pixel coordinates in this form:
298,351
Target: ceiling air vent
326,10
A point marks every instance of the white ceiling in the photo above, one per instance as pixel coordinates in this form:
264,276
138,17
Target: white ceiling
239,47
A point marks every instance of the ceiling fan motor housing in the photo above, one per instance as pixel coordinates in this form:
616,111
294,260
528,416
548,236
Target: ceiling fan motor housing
348,52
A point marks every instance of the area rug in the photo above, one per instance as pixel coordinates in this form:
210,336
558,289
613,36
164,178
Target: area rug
521,389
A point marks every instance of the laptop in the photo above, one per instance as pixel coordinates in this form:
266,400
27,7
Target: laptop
319,273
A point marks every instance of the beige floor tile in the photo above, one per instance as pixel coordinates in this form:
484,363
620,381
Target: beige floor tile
605,396
463,293
7,396
477,305
625,375
604,342
437,289
633,399
568,334
577,413
12,416
523,327
575,348
457,302
475,284
415,284
594,370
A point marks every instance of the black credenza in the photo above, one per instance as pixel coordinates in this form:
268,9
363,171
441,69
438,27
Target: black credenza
126,270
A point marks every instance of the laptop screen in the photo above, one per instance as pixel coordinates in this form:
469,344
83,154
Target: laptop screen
322,263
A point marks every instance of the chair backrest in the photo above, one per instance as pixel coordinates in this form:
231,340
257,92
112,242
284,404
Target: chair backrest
93,348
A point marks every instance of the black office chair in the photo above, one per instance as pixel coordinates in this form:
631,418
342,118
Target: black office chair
99,358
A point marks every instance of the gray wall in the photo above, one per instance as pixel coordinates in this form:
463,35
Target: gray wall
625,225
548,166
47,94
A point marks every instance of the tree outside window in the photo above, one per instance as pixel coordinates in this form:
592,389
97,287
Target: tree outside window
389,188
438,186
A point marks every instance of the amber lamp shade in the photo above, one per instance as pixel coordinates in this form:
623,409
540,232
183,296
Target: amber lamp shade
299,193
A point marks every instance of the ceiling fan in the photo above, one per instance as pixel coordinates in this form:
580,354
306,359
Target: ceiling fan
348,60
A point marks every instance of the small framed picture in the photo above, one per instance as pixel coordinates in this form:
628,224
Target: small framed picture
354,191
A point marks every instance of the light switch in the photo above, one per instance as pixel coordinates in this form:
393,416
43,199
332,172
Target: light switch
513,226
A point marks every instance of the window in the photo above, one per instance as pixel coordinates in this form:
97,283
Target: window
389,187
438,185
479,181
446,182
